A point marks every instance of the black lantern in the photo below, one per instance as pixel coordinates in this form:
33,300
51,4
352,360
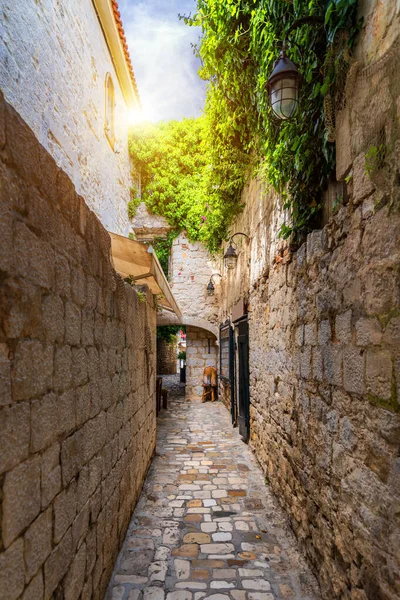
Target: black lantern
283,87
210,286
230,256
283,84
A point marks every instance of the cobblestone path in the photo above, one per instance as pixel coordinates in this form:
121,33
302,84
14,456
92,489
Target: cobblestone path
206,525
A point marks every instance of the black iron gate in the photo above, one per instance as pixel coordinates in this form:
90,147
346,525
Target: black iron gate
243,376
226,369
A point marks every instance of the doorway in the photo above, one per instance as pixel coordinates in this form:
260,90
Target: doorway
242,377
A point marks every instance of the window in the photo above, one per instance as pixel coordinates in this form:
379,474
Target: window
109,125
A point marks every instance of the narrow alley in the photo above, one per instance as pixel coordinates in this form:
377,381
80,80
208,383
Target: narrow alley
206,525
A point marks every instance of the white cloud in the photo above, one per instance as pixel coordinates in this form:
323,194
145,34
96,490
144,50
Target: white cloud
162,58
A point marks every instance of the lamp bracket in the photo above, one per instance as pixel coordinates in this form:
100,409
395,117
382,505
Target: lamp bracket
235,234
214,275
311,20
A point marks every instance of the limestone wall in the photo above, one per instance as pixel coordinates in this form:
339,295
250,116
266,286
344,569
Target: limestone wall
325,347
77,372
166,357
191,267
53,64
201,352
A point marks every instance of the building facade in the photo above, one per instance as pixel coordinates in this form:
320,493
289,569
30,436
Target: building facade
65,68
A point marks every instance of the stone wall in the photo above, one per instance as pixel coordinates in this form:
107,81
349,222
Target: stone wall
325,345
201,352
53,64
77,372
191,267
166,357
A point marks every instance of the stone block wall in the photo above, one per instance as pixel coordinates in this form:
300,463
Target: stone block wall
325,344
53,66
166,357
77,372
191,267
201,352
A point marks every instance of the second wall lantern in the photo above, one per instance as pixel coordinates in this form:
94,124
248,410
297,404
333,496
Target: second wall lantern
230,256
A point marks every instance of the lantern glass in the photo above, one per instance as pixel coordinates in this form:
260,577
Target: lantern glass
285,96
230,261
210,289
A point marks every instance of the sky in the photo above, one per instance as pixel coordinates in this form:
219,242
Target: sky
162,57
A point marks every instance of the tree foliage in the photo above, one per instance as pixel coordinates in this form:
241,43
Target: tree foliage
179,180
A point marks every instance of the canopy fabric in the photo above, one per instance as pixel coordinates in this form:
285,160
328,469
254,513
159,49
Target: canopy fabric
132,258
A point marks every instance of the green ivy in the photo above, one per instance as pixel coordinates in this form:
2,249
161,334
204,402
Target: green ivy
162,247
133,204
193,171
240,43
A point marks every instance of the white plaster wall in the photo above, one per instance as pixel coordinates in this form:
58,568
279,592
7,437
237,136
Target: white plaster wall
53,64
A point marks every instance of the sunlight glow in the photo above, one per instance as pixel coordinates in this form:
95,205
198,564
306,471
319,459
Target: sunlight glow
141,115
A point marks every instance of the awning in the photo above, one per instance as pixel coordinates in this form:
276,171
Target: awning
131,258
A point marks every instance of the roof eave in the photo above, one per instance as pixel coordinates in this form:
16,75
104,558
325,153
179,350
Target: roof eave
122,66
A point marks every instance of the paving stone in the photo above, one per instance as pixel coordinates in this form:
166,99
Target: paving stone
250,573
193,518
221,536
224,526
224,573
191,585
200,513
134,579
220,585
217,548
182,568
187,550
182,595
153,593
207,563
162,553
200,574
238,594
196,538
208,527
256,584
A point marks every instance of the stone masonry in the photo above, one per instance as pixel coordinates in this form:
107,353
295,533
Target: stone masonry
53,66
325,341
166,357
77,373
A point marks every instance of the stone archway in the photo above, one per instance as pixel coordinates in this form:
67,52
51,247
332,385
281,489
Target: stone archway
201,349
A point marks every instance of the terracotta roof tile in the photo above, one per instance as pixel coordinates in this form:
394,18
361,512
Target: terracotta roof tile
118,21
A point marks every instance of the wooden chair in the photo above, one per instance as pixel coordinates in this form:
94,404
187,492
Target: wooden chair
210,381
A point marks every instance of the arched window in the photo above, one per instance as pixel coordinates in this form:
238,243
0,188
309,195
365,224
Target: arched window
109,125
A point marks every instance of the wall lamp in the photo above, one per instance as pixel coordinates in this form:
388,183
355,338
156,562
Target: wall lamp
230,256
284,82
211,287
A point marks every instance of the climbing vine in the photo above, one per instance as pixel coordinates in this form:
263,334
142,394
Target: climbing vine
193,171
240,43
162,247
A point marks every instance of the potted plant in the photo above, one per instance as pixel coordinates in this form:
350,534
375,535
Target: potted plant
182,357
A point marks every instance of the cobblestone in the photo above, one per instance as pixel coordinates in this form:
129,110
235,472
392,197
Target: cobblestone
237,541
